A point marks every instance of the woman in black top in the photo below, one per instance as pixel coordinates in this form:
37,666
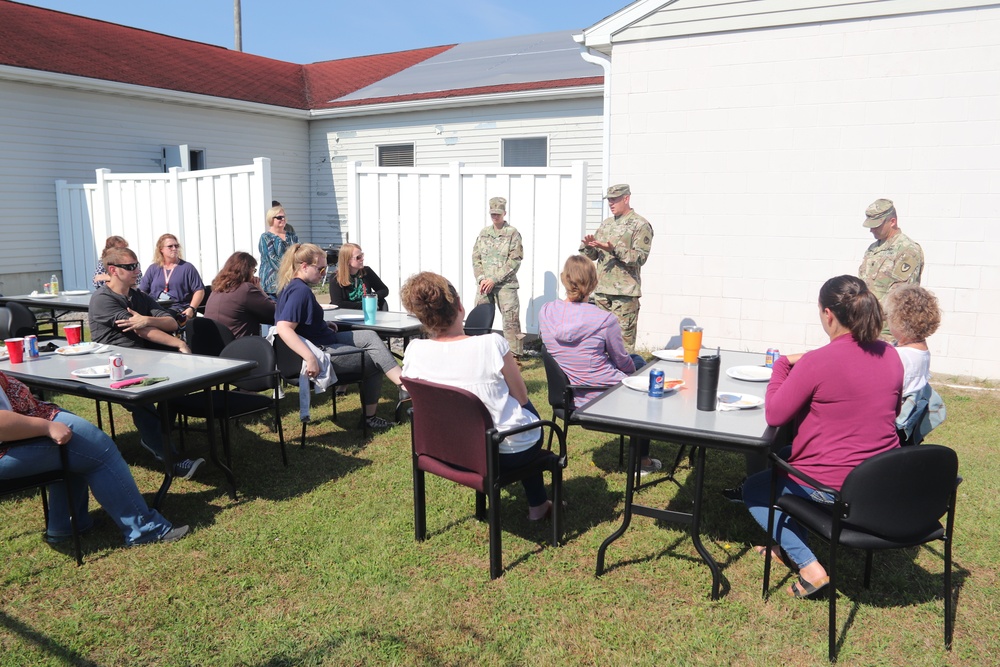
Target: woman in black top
354,279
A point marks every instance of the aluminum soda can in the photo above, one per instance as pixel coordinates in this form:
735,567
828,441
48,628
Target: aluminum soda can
31,346
771,356
656,383
117,366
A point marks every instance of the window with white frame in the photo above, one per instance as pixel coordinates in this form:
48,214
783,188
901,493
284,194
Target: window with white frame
525,152
395,155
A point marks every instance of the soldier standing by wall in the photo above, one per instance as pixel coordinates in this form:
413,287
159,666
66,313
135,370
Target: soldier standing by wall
620,247
894,259
496,257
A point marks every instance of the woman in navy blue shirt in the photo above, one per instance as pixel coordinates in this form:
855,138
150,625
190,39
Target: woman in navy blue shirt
298,313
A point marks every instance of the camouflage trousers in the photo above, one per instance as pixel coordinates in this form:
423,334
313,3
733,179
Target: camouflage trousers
505,299
626,309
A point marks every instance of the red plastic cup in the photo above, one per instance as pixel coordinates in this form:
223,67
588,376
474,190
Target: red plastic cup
73,333
15,348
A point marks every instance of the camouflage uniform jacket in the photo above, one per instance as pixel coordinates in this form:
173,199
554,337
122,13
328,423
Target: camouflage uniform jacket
896,261
631,236
497,255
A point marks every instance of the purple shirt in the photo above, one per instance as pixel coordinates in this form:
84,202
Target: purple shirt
844,398
587,344
183,283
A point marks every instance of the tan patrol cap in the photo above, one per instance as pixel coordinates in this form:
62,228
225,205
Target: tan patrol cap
498,205
880,211
618,191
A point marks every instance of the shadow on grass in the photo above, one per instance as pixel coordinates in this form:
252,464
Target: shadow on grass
42,642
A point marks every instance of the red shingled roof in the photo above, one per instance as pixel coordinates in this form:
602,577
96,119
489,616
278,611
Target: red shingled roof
51,41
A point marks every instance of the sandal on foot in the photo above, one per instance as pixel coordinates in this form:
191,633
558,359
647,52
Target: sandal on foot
781,557
811,590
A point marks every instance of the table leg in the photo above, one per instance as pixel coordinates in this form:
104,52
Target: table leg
633,454
699,480
168,455
212,454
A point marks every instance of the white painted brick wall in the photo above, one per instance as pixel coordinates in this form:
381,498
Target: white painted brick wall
754,155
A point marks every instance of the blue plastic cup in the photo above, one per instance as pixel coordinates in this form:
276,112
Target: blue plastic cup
370,305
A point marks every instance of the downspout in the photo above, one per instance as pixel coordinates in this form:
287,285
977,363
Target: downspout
605,63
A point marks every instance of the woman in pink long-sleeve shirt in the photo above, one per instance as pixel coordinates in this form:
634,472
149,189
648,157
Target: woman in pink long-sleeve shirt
843,398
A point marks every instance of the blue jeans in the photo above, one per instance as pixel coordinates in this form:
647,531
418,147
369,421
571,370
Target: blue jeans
147,422
93,461
787,532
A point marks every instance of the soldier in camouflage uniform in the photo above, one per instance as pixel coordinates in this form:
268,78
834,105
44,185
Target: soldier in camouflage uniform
620,247
894,259
496,257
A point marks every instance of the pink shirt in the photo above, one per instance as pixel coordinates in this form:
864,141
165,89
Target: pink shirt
844,398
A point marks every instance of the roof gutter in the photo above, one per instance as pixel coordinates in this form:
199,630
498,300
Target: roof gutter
574,92
605,63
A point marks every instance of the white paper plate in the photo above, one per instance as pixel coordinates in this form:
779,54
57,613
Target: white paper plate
734,401
669,355
641,383
43,296
750,373
329,306
349,318
80,348
96,372
76,292
3,354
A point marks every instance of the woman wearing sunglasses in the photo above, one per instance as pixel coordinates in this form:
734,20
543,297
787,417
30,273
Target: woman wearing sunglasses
298,313
169,279
354,280
272,246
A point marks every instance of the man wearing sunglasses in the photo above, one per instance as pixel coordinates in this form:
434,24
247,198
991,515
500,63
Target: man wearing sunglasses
121,315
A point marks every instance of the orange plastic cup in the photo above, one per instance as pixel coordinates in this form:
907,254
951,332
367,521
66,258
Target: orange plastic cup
15,348
72,333
691,342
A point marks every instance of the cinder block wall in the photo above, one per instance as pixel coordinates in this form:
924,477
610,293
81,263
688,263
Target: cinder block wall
754,154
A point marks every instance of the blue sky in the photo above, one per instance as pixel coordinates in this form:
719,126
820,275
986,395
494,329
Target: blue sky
306,31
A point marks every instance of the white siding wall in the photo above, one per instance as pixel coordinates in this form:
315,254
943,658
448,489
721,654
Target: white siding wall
468,135
754,154
50,133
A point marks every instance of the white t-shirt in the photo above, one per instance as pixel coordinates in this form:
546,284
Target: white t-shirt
916,368
474,364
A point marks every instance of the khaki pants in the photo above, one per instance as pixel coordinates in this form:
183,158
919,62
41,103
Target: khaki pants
626,309
505,299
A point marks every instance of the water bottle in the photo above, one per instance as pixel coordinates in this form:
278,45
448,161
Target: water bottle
54,284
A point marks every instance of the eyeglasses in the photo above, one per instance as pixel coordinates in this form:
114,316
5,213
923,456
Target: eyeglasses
279,217
321,269
361,256
126,267
175,245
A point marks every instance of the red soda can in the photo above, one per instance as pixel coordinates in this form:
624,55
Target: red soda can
31,346
117,366
771,356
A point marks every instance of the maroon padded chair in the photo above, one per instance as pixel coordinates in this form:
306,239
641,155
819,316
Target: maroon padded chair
453,436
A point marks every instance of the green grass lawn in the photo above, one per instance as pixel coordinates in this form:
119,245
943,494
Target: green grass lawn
316,565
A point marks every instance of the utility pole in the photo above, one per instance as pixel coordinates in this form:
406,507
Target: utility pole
238,24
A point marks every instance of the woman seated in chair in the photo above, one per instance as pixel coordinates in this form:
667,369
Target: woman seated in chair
298,313
354,280
843,398
483,365
93,461
586,341
237,301
913,315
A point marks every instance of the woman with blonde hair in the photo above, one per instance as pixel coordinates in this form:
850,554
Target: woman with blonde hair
298,313
483,365
272,246
170,278
586,341
354,280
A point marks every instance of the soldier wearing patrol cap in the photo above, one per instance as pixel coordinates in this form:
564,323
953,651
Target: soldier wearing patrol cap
496,257
620,247
894,259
